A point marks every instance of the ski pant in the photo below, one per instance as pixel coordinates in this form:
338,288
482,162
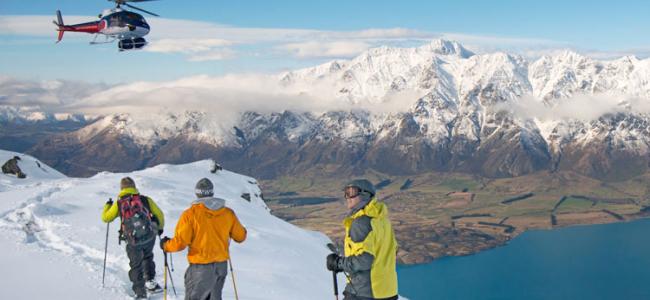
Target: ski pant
142,265
205,281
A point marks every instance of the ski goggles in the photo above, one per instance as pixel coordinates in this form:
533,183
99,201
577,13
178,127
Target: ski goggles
351,192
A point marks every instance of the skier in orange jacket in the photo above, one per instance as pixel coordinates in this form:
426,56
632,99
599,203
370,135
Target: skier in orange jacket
206,227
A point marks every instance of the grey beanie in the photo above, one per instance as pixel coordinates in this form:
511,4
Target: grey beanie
127,182
204,188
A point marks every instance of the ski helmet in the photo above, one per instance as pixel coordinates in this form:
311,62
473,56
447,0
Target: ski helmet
364,185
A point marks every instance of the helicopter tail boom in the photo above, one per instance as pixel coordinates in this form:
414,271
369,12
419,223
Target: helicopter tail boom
90,27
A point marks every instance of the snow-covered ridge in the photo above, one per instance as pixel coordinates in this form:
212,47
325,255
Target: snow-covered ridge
448,65
148,129
53,237
26,115
32,167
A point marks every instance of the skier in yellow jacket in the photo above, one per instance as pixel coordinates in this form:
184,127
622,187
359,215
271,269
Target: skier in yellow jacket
141,220
370,246
206,227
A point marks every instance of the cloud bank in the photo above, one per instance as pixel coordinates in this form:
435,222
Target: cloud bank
51,95
579,107
205,41
229,96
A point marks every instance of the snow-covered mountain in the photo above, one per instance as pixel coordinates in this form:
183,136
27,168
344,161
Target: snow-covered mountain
23,127
53,238
460,115
24,115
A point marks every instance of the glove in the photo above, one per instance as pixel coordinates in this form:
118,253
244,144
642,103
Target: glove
334,262
162,242
109,202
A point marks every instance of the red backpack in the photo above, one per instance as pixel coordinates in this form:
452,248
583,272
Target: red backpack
137,226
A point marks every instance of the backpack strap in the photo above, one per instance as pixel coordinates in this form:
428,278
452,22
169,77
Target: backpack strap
145,202
119,204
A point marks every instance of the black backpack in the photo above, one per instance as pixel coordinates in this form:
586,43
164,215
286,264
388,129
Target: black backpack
137,221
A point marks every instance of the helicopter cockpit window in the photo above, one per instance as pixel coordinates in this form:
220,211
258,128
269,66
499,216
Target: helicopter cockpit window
133,17
115,20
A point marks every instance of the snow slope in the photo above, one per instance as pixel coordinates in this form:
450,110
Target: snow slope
33,168
52,238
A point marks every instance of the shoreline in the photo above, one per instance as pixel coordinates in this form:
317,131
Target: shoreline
432,256
443,215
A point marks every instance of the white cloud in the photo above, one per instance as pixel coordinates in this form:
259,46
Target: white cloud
211,55
336,49
198,50
186,45
498,41
50,94
228,95
391,33
609,55
300,43
204,41
579,107
36,25
231,95
190,37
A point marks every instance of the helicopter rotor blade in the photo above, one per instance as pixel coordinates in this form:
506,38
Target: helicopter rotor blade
125,1
140,9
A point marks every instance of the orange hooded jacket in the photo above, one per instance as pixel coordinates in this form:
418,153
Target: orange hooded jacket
206,227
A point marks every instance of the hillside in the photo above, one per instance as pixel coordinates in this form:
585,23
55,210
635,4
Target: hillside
53,238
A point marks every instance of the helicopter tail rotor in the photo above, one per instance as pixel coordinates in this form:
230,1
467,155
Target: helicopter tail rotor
60,25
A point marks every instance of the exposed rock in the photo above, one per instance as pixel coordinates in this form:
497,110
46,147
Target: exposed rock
11,167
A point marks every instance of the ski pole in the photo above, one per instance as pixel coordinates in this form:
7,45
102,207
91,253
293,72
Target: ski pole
106,249
336,251
336,286
165,272
171,278
171,261
232,273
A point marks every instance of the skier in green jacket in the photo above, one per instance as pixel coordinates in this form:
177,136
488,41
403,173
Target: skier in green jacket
141,220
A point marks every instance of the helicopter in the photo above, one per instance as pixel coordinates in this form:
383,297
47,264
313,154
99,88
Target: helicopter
127,27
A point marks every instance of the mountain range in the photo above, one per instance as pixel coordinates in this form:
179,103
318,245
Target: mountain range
492,114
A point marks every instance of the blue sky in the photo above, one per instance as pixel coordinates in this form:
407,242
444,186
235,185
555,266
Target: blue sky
270,36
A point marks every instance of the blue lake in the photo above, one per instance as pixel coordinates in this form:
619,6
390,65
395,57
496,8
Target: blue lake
610,261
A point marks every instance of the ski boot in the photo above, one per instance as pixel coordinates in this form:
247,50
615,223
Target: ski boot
152,287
